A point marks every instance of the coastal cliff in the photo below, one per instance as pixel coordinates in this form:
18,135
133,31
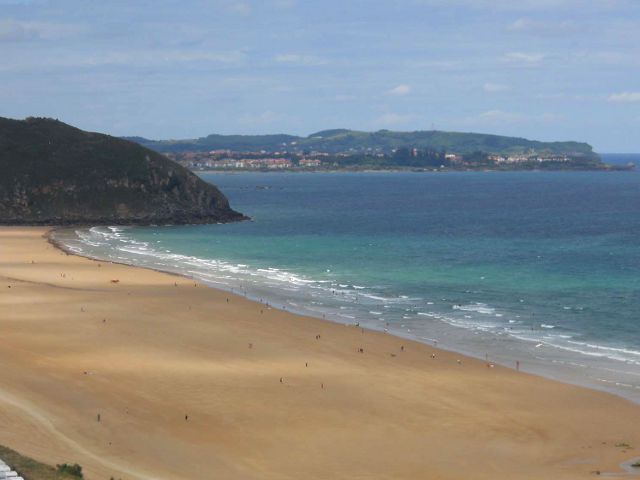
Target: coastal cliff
55,174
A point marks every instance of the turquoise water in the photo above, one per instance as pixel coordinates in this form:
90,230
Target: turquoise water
543,268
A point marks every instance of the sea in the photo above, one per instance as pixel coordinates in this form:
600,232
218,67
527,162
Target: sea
539,268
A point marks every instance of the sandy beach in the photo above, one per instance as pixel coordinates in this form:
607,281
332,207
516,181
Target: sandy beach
137,374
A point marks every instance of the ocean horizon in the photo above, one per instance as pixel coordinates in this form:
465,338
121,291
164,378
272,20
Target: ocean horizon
540,268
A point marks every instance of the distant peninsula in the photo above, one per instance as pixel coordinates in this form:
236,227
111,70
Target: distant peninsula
382,141
342,149
55,174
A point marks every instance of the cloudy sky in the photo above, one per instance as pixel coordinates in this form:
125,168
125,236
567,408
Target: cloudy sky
543,69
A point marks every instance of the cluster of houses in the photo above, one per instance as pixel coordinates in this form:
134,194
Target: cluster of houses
232,160
7,474
248,163
310,162
528,158
453,158
228,160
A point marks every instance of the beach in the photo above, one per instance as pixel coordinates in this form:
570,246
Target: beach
139,374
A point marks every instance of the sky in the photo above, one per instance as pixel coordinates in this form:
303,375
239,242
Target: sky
541,69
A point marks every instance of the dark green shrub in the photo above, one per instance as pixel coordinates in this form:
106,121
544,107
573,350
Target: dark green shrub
74,470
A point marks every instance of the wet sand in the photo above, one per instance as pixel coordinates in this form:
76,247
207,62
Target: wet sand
138,374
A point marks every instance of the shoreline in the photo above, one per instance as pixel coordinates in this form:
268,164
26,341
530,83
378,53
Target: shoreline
551,362
609,169
346,406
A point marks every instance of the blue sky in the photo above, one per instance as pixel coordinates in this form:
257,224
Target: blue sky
543,69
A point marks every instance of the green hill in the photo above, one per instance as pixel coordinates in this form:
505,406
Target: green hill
383,141
53,173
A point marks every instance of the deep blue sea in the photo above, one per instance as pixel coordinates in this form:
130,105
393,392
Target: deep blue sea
543,268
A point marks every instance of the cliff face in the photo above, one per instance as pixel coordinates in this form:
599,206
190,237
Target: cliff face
55,174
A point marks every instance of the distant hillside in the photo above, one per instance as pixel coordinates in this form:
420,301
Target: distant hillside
53,173
383,141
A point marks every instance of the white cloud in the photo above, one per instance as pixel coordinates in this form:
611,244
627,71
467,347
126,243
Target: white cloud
523,58
400,90
495,87
391,119
297,59
625,97
546,28
520,24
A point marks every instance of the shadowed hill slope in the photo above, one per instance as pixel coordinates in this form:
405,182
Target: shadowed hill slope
55,174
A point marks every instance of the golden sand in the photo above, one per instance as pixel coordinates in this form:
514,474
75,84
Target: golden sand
188,385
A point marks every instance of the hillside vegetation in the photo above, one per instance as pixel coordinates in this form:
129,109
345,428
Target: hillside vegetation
383,141
53,173
31,469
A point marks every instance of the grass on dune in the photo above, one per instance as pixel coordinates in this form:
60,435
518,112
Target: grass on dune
31,469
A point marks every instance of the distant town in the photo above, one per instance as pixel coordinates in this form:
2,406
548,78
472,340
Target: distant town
353,150
397,159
